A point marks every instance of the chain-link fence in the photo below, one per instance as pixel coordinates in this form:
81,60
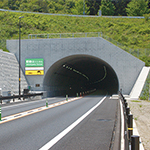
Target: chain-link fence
139,53
135,52
65,35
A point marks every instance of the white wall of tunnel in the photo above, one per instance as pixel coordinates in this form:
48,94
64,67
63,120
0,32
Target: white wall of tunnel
80,74
89,57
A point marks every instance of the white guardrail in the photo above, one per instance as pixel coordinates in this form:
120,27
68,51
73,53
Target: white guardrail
139,17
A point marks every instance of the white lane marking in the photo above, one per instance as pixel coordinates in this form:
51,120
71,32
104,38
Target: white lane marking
30,102
32,111
122,127
68,129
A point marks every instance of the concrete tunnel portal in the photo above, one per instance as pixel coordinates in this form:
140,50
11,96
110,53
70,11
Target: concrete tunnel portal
80,74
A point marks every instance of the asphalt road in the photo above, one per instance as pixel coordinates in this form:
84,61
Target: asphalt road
32,132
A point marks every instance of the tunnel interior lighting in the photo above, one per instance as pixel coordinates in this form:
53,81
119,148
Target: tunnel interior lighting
76,71
105,74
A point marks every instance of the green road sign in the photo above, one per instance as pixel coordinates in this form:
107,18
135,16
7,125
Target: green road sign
36,62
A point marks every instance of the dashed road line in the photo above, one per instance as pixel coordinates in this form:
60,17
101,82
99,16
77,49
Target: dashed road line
36,110
53,141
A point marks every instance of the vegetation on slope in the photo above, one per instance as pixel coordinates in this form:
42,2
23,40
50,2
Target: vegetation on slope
145,92
133,33
90,7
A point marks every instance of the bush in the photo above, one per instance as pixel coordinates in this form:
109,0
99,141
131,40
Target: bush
146,16
145,92
134,33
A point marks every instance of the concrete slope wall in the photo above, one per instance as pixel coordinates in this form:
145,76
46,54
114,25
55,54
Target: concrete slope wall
126,66
9,74
137,89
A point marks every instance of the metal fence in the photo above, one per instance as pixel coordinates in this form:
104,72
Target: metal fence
24,96
131,142
135,52
65,35
70,15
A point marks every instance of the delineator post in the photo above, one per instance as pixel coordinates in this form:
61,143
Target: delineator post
0,114
66,97
46,103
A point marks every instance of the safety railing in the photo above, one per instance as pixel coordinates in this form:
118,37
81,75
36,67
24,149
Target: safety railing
131,141
73,15
65,35
135,52
24,96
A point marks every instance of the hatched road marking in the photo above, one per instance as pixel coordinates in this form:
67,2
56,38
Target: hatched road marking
36,110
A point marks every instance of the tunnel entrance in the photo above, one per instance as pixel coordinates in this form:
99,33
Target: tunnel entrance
80,74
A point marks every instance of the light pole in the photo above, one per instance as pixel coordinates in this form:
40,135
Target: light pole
20,56
83,7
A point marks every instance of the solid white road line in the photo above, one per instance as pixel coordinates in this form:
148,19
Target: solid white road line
26,103
122,127
32,111
68,129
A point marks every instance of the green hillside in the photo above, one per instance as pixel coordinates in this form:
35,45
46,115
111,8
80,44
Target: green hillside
132,33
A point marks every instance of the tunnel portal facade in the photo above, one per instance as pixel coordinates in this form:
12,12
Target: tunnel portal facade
75,65
80,74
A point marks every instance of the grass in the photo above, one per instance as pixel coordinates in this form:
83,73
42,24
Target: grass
135,101
133,34
136,118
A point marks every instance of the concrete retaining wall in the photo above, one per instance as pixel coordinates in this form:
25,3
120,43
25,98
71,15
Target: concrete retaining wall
126,66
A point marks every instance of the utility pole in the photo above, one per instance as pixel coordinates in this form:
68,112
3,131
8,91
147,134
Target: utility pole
83,7
20,57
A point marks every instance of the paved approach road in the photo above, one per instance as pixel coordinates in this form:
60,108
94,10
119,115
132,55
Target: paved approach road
34,131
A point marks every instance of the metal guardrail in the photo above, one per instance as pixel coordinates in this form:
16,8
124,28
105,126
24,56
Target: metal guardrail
19,96
138,17
65,35
131,141
135,52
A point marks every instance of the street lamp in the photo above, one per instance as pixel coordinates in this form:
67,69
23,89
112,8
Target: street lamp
20,55
83,7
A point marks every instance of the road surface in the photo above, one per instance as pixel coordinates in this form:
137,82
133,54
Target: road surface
38,130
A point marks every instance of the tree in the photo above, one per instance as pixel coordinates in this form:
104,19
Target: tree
107,8
93,6
40,6
13,4
137,8
79,8
120,6
69,4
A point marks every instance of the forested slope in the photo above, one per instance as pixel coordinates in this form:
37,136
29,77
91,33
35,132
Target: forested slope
79,7
133,33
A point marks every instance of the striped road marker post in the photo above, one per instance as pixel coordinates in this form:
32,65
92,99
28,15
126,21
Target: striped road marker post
77,95
66,97
0,114
46,103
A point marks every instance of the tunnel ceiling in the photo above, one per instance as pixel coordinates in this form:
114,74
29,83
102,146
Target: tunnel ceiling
80,73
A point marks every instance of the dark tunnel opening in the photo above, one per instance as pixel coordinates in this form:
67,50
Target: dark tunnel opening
80,74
